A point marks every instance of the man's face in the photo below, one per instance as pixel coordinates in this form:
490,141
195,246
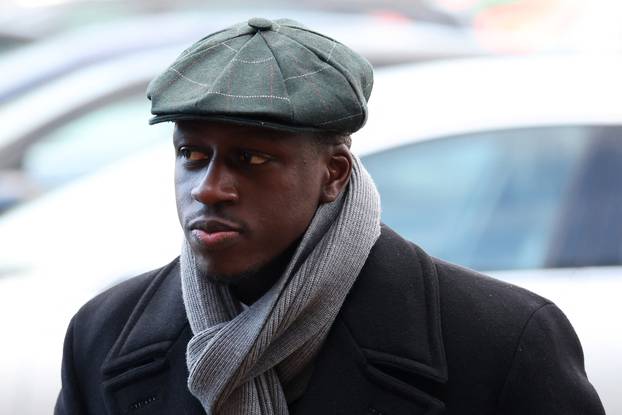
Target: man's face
244,194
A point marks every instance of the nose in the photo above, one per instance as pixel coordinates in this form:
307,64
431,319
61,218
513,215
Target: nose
216,186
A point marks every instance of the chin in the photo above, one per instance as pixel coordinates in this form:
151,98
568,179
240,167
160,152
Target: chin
226,274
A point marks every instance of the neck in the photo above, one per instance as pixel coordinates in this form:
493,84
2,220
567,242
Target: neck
254,284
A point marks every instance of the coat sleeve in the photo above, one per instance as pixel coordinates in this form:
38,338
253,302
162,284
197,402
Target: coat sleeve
69,400
547,375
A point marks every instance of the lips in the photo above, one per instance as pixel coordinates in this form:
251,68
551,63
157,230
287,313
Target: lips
213,234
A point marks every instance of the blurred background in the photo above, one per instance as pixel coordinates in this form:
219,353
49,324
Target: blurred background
495,139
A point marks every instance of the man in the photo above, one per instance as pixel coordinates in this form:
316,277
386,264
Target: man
289,296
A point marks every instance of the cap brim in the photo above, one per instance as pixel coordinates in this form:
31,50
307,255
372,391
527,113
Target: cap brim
239,121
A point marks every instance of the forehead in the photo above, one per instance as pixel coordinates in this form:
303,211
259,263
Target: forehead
209,130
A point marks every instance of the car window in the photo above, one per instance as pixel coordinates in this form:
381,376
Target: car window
489,200
589,232
91,141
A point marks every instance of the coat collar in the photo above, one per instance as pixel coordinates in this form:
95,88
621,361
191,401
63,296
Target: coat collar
384,352
387,338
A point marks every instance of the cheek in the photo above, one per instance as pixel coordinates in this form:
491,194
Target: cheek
293,205
183,186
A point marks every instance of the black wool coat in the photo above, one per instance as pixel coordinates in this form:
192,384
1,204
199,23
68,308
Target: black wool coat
415,336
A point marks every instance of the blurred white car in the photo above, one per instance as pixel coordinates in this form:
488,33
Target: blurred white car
507,165
382,39
64,108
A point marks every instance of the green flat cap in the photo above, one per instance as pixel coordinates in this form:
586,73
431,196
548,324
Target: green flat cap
275,74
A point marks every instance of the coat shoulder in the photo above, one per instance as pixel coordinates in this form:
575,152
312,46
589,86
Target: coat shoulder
473,292
459,288
91,336
99,322
507,349
115,304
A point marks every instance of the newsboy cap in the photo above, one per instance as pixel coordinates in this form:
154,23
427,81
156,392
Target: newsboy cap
275,74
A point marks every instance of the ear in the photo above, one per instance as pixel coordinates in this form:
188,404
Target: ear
338,171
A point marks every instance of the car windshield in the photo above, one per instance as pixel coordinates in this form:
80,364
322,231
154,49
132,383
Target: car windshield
90,142
78,144
510,199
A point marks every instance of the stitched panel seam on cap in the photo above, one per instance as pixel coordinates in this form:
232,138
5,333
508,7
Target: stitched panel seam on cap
278,65
209,91
291,39
331,51
257,61
347,80
307,74
314,72
199,50
232,48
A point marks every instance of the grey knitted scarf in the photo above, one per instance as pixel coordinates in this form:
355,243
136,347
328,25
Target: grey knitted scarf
243,360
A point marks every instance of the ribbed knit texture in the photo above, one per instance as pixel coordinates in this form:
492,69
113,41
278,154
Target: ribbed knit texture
241,359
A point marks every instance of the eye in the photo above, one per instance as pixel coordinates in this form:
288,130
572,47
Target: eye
192,154
246,157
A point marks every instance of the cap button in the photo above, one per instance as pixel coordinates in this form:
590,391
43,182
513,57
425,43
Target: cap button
260,23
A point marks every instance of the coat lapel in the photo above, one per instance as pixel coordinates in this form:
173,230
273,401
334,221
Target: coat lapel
145,371
384,353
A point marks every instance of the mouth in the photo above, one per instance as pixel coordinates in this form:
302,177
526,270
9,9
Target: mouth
214,234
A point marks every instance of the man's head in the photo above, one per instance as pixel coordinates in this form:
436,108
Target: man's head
246,194
263,113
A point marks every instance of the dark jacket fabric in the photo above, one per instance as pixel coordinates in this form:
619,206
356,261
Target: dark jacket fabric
415,335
